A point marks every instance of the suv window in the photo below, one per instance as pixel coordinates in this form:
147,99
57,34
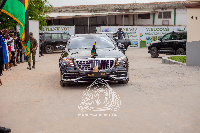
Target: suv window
183,36
47,36
166,37
176,36
56,36
65,36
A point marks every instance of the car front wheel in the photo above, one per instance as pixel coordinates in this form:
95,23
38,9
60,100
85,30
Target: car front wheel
154,52
49,49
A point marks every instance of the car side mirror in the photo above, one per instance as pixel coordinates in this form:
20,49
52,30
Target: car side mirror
160,39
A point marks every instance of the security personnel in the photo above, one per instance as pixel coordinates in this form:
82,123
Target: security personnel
33,48
120,33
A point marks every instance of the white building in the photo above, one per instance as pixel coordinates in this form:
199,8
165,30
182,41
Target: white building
87,18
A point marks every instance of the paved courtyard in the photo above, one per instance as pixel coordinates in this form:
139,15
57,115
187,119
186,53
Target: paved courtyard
159,98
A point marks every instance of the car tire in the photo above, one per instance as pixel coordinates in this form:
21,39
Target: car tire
154,52
49,49
62,84
180,51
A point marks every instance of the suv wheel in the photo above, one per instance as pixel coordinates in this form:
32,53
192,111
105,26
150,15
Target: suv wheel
180,51
154,52
49,49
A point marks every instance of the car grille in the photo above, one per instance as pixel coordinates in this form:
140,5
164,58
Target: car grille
90,64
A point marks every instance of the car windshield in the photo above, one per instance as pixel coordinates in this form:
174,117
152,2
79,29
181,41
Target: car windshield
88,42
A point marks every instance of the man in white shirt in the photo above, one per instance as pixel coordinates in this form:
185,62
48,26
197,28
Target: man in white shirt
12,44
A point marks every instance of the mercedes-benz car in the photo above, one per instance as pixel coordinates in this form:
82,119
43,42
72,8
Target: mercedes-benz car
90,57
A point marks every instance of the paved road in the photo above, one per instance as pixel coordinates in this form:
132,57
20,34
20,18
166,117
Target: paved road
159,98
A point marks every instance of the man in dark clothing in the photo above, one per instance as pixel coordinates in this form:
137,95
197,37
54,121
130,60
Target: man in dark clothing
19,48
120,33
41,43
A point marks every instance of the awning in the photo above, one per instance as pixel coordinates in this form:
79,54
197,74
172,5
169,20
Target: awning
80,15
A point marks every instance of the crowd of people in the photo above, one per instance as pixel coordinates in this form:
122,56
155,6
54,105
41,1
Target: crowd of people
12,51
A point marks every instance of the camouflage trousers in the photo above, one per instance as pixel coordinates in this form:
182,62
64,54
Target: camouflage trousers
29,59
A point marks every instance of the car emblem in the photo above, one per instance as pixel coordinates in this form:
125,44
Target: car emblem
96,69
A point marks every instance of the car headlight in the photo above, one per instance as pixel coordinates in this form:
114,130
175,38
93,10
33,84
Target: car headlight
68,62
121,60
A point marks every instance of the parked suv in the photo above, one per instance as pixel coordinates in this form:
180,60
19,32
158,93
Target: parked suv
171,43
54,41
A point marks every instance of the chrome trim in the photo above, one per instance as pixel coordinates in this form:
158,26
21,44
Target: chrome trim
86,63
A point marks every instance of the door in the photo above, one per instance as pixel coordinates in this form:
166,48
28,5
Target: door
166,42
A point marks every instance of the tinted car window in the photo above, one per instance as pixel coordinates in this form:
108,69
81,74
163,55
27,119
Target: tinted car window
56,36
65,36
166,37
47,36
183,36
176,36
88,42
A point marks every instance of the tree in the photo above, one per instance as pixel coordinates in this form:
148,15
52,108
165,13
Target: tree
36,11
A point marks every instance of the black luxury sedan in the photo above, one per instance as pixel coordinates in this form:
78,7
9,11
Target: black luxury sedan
171,43
92,57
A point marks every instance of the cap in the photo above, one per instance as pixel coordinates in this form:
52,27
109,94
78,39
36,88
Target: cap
31,33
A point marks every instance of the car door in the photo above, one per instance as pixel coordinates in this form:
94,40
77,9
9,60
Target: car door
175,37
56,40
166,42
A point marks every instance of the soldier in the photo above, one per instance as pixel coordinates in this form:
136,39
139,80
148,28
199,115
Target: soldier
33,48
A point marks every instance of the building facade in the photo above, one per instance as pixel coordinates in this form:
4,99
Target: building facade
87,18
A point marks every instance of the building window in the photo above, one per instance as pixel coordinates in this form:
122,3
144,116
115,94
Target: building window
160,15
165,15
144,16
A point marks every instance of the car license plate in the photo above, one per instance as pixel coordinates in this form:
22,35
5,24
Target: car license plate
96,74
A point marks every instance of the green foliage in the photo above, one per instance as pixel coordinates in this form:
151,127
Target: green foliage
6,21
179,58
36,11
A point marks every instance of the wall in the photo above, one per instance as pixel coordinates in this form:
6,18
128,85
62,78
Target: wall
193,33
158,21
193,54
146,22
181,17
34,27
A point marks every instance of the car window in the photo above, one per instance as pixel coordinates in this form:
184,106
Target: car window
88,42
183,36
56,36
65,36
175,36
166,37
47,36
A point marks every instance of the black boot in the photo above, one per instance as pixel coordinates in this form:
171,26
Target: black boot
29,66
5,130
33,65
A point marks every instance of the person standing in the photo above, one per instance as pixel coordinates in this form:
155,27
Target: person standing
33,48
12,44
120,33
41,45
19,48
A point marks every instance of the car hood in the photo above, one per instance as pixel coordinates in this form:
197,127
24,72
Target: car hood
158,41
102,53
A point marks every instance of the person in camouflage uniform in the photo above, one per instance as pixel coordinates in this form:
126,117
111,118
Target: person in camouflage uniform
33,48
